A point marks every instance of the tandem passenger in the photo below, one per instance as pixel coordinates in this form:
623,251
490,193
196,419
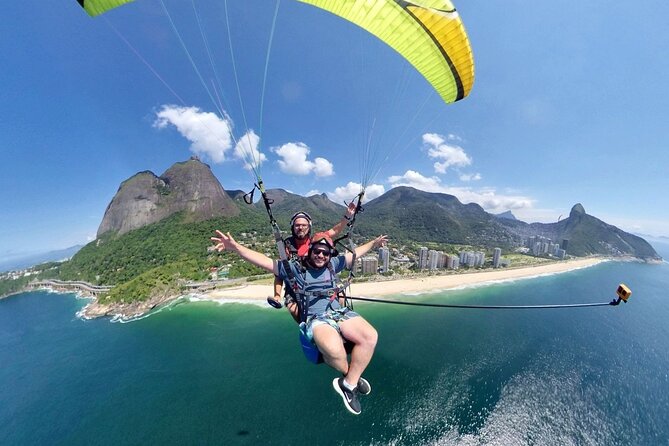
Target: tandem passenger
327,323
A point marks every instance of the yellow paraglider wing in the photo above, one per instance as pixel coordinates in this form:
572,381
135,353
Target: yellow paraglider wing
428,33
97,7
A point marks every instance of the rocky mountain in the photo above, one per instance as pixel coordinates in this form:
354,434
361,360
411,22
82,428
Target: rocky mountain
508,215
404,213
236,194
145,198
586,235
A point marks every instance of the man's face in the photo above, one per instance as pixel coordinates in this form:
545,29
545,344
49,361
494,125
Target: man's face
301,228
320,255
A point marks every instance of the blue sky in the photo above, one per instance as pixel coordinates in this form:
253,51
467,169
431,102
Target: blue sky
569,105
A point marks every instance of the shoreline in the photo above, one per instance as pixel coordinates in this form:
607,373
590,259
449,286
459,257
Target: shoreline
416,285
256,294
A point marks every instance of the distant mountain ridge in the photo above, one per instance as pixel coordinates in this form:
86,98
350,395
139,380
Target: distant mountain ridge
27,260
406,214
508,215
412,214
587,235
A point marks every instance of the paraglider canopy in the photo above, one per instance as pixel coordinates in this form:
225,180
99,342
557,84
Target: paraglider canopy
428,33
97,7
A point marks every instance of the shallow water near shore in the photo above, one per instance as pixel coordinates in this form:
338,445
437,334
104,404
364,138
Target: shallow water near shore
204,373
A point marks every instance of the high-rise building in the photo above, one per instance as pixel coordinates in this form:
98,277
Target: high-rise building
422,258
433,259
456,263
370,265
536,249
496,256
472,259
384,259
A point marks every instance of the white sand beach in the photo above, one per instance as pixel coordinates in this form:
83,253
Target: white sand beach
418,284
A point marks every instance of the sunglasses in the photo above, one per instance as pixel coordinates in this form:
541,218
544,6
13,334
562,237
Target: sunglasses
323,252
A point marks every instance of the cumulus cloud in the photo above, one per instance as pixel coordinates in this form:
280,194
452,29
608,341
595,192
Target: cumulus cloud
488,198
470,177
448,155
347,193
323,167
247,150
209,134
416,180
294,161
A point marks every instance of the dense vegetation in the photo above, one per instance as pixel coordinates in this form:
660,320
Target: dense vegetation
115,260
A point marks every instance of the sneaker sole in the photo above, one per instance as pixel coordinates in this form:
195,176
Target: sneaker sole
369,386
335,385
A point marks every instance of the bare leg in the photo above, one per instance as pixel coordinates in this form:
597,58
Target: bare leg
331,345
364,337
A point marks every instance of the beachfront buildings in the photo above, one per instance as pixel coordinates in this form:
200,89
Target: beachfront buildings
384,259
422,258
544,247
430,259
473,259
369,265
496,257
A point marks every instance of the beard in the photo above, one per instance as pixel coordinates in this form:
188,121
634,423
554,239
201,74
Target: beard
301,233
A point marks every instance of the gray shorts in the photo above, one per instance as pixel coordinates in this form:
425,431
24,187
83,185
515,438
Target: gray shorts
330,317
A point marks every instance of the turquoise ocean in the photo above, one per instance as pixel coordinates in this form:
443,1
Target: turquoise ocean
204,373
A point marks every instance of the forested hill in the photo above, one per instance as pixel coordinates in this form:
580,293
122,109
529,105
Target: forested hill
409,214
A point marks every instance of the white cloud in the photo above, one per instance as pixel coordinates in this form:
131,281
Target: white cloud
488,198
470,177
347,193
323,167
448,154
209,134
294,161
532,215
312,192
373,191
247,150
416,180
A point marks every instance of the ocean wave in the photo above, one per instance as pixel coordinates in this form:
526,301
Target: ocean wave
542,405
221,301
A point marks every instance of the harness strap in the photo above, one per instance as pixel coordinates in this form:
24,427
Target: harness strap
351,248
278,238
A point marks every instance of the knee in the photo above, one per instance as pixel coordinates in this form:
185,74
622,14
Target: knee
370,337
333,355
336,355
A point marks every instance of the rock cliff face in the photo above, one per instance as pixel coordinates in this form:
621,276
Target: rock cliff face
145,198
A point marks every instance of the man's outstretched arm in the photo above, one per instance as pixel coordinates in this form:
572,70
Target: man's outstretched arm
364,249
225,242
336,229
